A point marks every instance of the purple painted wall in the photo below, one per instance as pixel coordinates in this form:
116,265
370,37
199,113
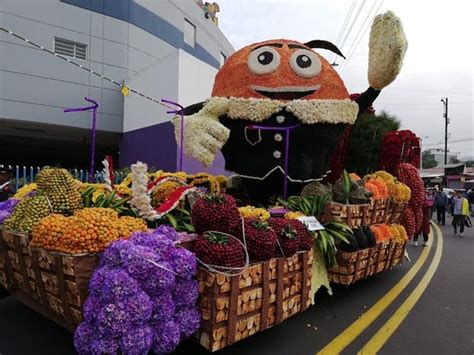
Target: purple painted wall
154,145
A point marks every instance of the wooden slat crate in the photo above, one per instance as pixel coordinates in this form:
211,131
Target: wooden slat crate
361,264
395,212
265,294
379,210
352,215
54,285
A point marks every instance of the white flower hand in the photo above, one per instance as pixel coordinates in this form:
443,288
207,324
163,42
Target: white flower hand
387,47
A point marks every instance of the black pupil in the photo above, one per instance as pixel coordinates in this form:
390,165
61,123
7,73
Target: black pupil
303,61
265,58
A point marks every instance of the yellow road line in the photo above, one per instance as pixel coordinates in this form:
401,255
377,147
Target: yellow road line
348,335
387,330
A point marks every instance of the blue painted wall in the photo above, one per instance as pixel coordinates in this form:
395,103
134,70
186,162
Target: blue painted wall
137,15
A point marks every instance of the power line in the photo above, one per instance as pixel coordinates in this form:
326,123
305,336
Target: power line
357,40
453,141
363,34
344,25
422,90
352,24
422,104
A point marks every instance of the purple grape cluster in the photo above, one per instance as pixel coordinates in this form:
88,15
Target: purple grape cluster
143,297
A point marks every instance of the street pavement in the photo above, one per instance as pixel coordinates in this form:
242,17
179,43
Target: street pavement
440,322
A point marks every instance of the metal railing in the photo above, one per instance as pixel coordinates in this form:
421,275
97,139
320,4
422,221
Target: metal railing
23,175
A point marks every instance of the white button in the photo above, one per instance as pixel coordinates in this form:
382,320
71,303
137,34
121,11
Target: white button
280,119
277,154
278,137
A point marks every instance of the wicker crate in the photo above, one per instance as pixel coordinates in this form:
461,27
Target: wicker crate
267,293
352,215
54,285
361,264
395,212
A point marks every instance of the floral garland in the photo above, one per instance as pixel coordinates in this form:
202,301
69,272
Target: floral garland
142,298
254,212
107,174
25,191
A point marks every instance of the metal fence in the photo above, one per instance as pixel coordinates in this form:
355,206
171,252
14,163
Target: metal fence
27,174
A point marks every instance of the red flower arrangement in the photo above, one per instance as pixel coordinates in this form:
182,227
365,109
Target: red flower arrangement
399,147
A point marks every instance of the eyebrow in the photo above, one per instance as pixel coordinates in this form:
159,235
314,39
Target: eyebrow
296,46
278,45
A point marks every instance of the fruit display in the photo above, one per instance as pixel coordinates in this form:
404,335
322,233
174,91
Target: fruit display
62,190
6,208
28,213
216,212
261,239
398,191
288,238
89,230
25,190
142,298
218,249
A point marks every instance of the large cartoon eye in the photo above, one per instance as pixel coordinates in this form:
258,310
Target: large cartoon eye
305,63
263,60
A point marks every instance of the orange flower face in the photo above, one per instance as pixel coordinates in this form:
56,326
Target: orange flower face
278,69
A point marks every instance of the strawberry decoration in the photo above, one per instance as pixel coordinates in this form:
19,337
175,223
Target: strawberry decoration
216,212
261,239
287,236
408,221
304,235
219,249
413,215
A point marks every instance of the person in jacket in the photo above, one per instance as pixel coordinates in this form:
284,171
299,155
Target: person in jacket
460,212
430,199
470,198
441,202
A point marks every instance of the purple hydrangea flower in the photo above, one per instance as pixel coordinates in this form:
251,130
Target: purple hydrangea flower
6,208
118,285
116,253
97,280
114,319
157,243
167,337
139,307
168,232
83,337
163,308
105,346
92,304
186,292
184,263
137,341
188,320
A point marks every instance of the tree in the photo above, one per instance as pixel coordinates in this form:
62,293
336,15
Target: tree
365,140
469,163
454,160
428,160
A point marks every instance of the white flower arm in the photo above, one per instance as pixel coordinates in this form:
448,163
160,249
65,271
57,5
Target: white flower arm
387,47
204,135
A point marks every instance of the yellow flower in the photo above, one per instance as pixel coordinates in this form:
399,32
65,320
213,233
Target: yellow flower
25,190
294,214
254,212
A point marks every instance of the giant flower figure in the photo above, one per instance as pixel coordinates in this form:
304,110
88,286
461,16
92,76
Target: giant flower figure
270,91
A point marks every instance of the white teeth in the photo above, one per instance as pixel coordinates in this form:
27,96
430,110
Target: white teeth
286,88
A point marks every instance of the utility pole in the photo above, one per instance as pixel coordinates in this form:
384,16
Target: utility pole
446,122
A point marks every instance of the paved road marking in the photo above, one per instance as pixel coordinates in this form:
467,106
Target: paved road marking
348,335
387,330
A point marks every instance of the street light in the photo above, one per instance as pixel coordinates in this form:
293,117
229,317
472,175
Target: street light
446,122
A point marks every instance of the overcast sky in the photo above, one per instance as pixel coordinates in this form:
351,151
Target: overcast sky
439,61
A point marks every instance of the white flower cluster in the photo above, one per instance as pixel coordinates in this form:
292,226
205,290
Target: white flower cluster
324,111
107,178
140,199
204,135
387,47
255,110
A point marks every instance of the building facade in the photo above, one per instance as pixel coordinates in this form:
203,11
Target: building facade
161,48
438,155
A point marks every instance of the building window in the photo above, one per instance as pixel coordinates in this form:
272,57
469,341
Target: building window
69,48
223,59
189,33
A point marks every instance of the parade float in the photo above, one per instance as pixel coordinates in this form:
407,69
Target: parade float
162,256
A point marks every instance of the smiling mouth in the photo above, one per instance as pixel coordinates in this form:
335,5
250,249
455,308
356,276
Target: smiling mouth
286,92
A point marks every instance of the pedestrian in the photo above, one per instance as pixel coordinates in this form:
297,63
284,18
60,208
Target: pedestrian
425,227
460,212
440,202
470,198
429,200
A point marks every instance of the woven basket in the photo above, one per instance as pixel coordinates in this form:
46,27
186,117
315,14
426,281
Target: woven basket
395,212
267,293
52,284
361,264
352,215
